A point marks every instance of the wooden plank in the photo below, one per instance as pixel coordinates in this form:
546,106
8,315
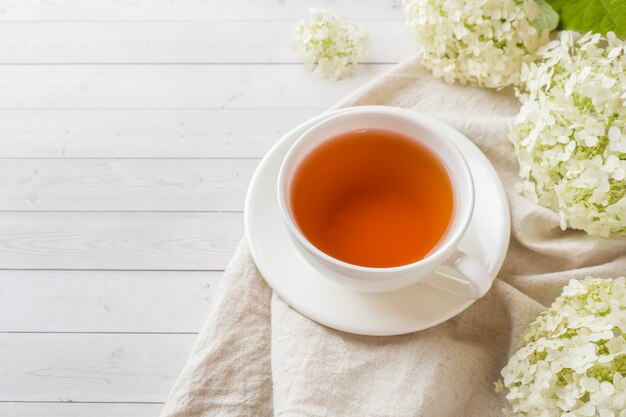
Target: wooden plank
91,367
119,241
110,133
174,86
178,42
125,184
105,301
42,10
12,409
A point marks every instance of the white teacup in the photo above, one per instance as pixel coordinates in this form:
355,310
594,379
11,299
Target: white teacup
423,130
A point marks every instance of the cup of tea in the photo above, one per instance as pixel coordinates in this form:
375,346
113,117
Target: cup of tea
378,198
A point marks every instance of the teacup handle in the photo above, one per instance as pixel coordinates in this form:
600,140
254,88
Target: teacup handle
473,272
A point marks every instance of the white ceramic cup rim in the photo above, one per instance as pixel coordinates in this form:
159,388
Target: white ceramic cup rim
459,174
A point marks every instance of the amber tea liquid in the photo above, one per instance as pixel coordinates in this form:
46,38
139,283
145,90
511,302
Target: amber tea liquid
372,198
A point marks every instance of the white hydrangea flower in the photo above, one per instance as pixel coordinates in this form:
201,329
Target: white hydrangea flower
573,358
329,44
481,42
570,135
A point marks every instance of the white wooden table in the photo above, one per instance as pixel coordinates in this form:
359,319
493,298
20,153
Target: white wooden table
129,130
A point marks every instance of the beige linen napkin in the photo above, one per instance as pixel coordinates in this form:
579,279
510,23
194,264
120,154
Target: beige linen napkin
258,357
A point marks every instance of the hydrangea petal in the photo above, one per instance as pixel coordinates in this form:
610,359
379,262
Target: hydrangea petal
573,94
328,44
478,42
573,355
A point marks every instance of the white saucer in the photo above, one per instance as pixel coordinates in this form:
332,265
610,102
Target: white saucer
404,311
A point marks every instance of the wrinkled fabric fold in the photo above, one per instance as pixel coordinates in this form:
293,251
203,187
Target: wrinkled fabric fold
256,356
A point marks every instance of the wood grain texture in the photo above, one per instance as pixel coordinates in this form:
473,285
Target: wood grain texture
91,367
113,133
120,241
121,120
79,410
174,86
141,10
105,301
125,184
255,42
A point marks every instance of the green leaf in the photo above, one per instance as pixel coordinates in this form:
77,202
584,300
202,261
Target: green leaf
548,18
599,16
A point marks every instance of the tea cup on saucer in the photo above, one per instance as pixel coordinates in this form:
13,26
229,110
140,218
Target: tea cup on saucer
425,132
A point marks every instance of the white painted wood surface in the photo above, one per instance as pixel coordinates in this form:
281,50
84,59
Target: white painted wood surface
105,301
125,184
129,130
175,42
141,133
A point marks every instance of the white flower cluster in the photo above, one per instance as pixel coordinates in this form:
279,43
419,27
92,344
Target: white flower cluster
573,361
329,44
570,136
481,42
